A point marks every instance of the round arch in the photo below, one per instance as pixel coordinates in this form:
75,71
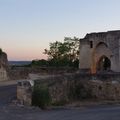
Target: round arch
101,43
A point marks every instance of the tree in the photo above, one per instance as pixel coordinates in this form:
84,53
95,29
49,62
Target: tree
74,47
53,52
63,53
1,51
42,63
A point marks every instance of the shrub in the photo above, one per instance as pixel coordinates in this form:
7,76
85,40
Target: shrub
41,97
59,103
79,92
1,51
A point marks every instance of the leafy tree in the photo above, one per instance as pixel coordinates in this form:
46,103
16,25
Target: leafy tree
53,52
74,47
41,96
41,63
63,53
1,51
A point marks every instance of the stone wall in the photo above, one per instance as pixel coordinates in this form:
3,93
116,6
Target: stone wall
3,67
3,74
67,88
18,73
24,92
105,90
75,87
103,43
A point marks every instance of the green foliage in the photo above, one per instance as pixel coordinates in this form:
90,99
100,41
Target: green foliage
41,97
41,63
79,92
1,51
59,103
64,54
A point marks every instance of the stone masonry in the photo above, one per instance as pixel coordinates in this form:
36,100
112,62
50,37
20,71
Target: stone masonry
96,48
74,87
3,66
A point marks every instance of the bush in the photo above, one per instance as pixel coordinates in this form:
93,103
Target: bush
79,92
41,97
1,51
59,103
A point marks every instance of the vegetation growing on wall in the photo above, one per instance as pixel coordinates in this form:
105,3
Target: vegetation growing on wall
79,92
41,96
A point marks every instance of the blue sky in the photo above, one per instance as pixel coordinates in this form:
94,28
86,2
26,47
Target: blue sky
28,26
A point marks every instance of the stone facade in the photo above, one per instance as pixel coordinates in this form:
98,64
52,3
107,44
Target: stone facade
3,66
100,51
3,74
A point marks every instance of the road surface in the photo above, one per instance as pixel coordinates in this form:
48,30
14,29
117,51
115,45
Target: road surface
7,93
11,112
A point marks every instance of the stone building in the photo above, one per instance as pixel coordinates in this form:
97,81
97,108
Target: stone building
100,52
3,66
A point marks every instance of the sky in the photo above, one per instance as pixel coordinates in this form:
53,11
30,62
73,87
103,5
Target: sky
28,26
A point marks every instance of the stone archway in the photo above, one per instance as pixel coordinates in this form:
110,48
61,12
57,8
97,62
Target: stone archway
101,58
103,64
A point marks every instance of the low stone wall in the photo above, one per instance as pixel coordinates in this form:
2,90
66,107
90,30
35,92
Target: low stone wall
79,87
3,74
17,73
105,90
3,66
67,88
24,93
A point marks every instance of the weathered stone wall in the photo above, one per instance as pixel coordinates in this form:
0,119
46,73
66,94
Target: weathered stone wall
74,87
105,90
3,74
85,55
24,93
18,73
67,88
3,66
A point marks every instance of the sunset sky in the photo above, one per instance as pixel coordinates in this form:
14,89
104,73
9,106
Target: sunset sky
28,26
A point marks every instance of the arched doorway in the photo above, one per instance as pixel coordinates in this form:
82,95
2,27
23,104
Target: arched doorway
104,64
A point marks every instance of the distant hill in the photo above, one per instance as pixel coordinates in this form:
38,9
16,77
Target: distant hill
19,63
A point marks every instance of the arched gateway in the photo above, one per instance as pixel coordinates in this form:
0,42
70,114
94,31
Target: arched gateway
104,64
100,52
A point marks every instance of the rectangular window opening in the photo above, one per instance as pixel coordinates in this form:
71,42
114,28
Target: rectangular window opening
91,44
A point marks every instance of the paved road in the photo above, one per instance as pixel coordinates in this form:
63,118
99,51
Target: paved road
8,112
7,93
101,113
